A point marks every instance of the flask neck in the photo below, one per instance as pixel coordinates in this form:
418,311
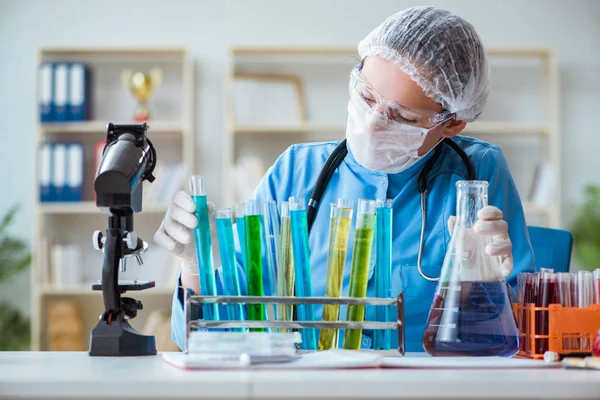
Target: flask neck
472,196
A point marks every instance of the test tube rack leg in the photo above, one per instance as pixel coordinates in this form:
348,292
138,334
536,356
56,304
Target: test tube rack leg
193,302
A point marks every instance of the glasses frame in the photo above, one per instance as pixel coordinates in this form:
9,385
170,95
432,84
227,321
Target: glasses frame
435,118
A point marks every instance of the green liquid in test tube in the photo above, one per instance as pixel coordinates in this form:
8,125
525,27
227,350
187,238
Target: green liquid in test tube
256,312
302,268
339,232
383,271
285,266
359,275
231,283
204,252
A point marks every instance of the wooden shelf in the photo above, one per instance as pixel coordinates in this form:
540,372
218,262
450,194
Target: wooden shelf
85,289
352,51
113,51
89,207
477,127
283,129
100,127
174,134
505,128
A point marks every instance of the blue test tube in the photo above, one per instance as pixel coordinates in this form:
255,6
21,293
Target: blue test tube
383,270
204,251
301,253
271,231
231,283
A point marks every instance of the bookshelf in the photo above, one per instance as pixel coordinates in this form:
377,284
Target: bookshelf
522,114
73,223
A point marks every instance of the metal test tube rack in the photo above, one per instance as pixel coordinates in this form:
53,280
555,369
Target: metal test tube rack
191,300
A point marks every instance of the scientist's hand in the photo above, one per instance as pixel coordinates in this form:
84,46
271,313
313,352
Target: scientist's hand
176,232
490,223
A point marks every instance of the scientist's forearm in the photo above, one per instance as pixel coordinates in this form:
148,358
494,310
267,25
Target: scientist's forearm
190,282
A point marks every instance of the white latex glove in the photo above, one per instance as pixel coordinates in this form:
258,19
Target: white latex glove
176,232
490,223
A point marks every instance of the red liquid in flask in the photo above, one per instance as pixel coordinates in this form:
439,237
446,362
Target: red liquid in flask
472,319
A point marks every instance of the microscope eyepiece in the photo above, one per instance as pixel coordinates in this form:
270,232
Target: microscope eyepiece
127,160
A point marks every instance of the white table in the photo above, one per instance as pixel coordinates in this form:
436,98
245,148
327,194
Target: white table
38,375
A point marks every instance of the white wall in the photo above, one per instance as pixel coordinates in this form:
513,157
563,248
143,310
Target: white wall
206,28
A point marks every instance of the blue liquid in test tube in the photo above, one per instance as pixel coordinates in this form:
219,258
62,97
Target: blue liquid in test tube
231,283
208,286
383,271
301,253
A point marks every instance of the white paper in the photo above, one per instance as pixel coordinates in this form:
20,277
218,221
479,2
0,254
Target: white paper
330,359
344,359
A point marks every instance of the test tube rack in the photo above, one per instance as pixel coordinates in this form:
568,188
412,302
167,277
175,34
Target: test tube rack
192,302
571,330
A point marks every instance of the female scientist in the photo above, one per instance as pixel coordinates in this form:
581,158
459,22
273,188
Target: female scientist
423,75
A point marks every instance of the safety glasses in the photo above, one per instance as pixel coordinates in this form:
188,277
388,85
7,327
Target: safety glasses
361,91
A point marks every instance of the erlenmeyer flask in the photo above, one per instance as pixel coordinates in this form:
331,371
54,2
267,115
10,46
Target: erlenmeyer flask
471,314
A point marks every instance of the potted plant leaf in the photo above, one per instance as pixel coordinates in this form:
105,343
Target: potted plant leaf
586,229
14,258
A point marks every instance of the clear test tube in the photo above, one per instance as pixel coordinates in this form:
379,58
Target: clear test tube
596,276
383,270
585,298
271,229
341,223
530,297
204,251
564,282
361,259
241,232
301,253
521,316
285,266
231,283
326,336
585,295
254,277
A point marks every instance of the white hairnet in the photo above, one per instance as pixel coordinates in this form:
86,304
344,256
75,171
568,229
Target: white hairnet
440,51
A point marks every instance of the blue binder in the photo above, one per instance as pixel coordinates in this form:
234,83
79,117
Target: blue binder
59,172
74,191
79,92
46,90
61,91
45,172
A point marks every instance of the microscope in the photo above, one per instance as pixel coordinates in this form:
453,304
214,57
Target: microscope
128,159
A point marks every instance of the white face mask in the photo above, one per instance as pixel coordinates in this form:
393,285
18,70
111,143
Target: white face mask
380,144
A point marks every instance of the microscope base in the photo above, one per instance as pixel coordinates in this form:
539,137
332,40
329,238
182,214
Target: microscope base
119,339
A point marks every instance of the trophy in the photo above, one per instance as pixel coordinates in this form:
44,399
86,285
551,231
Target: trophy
142,86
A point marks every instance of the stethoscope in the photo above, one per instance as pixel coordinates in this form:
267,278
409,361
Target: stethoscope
338,155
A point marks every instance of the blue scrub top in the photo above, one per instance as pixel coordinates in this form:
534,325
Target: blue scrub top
295,174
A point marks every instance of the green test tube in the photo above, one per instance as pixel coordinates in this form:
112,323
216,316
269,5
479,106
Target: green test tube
254,275
359,275
339,232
